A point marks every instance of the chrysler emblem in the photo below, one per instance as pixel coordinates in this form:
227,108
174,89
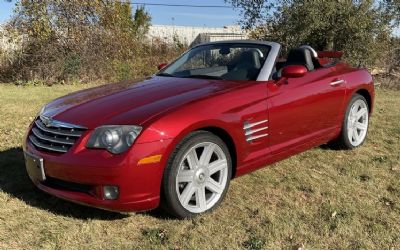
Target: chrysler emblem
47,121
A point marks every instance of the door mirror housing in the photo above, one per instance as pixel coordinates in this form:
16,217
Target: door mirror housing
294,71
162,65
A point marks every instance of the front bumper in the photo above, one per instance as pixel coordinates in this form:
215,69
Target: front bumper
139,184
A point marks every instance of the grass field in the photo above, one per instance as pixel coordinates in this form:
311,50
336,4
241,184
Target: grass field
319,199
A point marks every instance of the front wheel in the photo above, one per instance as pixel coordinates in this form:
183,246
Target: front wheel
355,124
197,176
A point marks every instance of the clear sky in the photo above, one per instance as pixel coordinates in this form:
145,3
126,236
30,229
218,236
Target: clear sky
210,17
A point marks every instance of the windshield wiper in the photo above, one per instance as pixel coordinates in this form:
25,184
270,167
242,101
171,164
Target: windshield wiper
165,74
204,77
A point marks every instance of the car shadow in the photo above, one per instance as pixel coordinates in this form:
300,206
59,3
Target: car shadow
15,182
330,146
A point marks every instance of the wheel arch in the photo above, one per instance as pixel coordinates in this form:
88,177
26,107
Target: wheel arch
365,93
228,140
165,192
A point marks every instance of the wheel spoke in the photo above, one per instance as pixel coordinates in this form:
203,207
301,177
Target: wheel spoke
361,126
214,186
185,176
354,109
350,133
192,159
349,125
356,136
217,166
361,113
201,198
187,194
206,154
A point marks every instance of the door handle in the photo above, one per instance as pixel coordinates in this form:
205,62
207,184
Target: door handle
337,82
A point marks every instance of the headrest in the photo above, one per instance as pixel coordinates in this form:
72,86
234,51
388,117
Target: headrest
300,56
251,56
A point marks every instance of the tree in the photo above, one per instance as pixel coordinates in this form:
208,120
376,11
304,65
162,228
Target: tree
117,16
362,28
63,39
142,22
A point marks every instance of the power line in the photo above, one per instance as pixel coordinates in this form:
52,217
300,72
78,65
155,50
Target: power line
181,5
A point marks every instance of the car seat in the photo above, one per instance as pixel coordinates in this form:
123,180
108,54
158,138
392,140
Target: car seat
248,66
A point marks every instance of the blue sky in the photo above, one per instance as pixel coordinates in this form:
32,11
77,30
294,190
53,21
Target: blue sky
210,17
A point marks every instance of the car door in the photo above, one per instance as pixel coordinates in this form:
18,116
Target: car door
304,109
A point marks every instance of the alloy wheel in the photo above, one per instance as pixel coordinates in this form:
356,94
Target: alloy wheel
357,122
202,177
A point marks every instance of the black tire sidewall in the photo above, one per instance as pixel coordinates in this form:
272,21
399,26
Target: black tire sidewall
170,200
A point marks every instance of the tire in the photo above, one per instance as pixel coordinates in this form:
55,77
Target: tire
194,186
354,122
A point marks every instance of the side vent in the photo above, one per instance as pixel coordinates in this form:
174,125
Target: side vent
255,130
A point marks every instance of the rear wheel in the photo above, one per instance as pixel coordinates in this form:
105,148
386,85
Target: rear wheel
355,124
197,176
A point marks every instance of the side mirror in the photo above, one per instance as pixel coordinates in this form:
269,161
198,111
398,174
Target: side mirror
294,71
162,65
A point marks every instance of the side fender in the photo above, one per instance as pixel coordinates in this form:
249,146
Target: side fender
174,128
361,82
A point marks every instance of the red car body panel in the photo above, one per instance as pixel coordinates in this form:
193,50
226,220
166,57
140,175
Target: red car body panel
131,102
302,113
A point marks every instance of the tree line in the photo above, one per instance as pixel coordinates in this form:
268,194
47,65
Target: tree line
105,40
363,29
80,41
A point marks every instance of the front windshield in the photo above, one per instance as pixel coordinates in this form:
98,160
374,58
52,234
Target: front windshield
225,61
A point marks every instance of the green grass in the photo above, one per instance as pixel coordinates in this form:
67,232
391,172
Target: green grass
318,199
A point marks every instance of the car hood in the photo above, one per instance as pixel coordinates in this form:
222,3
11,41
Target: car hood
132,102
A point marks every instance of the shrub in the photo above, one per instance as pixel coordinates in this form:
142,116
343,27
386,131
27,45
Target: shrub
70,41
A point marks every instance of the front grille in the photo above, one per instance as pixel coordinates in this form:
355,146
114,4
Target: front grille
55,136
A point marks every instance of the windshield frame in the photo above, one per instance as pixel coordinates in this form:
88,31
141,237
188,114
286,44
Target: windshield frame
265,72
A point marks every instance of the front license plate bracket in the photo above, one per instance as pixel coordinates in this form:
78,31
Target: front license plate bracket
35,167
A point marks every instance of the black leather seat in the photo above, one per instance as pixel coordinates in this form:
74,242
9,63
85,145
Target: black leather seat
300,56
247,68
249,59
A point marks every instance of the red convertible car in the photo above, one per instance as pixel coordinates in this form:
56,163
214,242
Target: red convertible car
176,139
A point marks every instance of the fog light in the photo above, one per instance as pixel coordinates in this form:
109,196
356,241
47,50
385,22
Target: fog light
110,192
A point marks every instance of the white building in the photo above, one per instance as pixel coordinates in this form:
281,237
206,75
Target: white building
194,35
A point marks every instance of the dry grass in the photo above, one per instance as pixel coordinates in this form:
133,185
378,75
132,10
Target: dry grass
319,199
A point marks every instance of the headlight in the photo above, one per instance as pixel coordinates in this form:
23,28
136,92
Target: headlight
116,139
